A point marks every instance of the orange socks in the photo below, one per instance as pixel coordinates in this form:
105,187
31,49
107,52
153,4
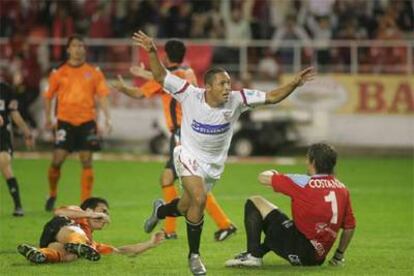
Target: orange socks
169,193
53,176
86,183
216,213
52,255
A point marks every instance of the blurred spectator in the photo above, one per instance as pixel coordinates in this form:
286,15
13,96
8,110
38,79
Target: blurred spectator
279,11
177,21
388,59
100,27
26,75
341,56
290,30
62,26
321,30
236,16
268,68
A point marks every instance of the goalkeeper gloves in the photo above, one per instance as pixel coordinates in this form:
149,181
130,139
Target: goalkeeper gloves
337,259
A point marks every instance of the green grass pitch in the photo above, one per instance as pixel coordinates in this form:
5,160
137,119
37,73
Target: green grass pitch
381,190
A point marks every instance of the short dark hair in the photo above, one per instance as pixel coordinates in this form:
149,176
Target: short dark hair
92,202
175,50
209,75
74,37
324,157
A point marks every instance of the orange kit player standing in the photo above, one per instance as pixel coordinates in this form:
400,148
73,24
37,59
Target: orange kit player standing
175,51
77,86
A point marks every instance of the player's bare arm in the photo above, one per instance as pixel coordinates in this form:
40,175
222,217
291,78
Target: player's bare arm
129,90
75,212
48,114
18,120
147,43
135,249
282,92
104,105
141,72
346,237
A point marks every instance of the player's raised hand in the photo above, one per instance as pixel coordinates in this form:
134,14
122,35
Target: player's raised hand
119,84
141,39
140,72
304,76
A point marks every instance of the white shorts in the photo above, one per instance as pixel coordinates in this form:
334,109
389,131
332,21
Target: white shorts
187,165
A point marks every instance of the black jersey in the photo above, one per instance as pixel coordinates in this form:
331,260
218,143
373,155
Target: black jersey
8,103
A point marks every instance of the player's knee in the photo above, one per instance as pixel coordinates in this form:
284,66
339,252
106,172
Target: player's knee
200,200
4,159
255,199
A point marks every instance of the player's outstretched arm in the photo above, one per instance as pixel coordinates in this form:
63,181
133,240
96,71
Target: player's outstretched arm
280,93
140,72
135,249
75,212
146,42
18,120
338,258
131,91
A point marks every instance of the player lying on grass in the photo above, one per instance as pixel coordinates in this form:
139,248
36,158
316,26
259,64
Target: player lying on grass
68,235
321,205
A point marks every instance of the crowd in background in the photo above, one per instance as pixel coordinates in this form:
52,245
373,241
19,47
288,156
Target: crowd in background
231,20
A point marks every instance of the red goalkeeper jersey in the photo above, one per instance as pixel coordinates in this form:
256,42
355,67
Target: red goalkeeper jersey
321,205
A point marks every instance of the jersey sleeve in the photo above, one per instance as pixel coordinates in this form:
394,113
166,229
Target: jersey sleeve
286,184
251,98
176,87
151,88
101,86
53,85
349,219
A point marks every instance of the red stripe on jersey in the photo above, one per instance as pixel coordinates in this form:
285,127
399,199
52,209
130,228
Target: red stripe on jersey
244,97
185,166
182,89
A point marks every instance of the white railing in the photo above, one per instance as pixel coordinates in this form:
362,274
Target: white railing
243,63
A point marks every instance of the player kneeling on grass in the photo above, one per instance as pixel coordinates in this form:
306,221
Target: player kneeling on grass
321,205
68,235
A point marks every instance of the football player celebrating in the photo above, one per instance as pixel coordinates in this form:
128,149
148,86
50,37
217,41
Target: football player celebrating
209,116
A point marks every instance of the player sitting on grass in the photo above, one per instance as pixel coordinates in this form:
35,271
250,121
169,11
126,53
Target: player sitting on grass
68,235
321,205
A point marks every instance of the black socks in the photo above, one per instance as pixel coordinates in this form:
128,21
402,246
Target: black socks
14,191
193,235
169,210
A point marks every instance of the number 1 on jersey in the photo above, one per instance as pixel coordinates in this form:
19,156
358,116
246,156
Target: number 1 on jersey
331,197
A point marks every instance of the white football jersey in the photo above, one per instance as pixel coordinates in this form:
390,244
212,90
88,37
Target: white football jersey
206,131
